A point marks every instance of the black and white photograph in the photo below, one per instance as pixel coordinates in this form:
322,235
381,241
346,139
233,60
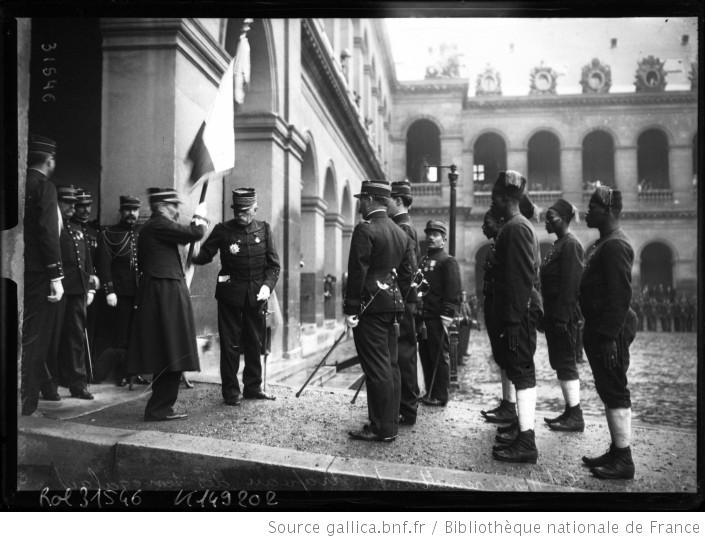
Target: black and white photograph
385,259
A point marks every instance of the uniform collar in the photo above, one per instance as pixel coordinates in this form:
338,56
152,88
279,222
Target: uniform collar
402,218
376,214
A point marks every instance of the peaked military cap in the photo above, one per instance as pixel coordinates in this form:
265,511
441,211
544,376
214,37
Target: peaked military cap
401,188
374,188
39,143
83,197
66,193
244,198
510,182
166,195
129,202
436,225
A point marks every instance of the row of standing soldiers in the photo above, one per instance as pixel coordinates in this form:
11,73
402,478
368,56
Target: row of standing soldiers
666,314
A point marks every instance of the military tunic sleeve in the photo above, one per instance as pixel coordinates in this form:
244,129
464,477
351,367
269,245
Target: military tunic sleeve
451,288
272,265
358,265
49,230
210,247
571,271
174,232
617,275
518,271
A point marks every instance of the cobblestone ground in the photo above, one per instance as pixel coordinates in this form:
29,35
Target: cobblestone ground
662,379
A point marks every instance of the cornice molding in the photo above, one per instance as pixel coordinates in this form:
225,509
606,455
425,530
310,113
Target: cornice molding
679,97
433,86
314,204
185,35
270,127
331,84
335,219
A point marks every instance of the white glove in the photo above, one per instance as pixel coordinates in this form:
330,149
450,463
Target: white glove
352,320
94,281
263,294
89,297
201,210
56,291
111,299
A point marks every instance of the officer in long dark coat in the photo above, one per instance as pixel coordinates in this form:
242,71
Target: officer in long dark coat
379,277
249,269
517,309
407,346
119,272
67,356
43,273
610,327
560,275
163,335
440,304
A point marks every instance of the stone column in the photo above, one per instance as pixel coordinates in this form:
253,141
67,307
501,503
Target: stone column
333,259
680,173
572,175
313,212
625,175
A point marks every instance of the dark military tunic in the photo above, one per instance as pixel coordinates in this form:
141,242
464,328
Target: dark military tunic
378,246
560,282
163,334
517,298
493,326
70,347
442,297
42,262
248,260
605,294
407,346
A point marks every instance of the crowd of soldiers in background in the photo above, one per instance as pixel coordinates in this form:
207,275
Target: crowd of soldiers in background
661,308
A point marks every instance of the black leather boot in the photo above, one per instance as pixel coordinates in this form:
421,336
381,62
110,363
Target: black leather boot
508,437
522,450
619,467
573,421
506,413
514,426
557,418
598,460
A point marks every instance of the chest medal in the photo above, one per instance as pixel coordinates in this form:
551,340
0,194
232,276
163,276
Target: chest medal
234,248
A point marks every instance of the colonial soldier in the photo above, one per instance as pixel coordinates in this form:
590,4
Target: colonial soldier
379,278
117,255
638,308
517,309
163,335
90,230
440,304
650,310
610,327
677,310
664,308
69,347
249,269
690,307
407,348
560,279
43,287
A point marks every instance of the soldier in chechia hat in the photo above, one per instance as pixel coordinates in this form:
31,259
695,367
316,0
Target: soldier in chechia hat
401,200
119,272
440,303
518,308
610,327
43,273
379,278
163,334
249,269
67,359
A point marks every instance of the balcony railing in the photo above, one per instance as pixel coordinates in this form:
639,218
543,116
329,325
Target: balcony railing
426,189
539,197
656,195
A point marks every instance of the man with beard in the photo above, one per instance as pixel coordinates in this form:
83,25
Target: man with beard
249,271
610,327
163,334
117,255
43,274
401,201
69,344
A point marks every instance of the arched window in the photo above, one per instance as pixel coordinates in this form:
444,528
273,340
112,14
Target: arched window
598,159
544,162
652,161
656,265
490,157
423,148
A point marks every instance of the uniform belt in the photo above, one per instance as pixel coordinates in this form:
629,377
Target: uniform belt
223,278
